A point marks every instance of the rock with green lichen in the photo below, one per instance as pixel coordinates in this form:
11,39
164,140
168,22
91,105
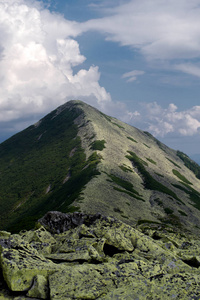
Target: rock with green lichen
20,263
40,239
80,282
82,249
178,286
39,235
98,257
39,288
5,234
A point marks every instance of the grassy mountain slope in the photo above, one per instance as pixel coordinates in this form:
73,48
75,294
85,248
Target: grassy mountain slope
77,158
140,178
42,168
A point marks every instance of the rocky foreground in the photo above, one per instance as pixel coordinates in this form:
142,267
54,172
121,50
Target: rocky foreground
78,256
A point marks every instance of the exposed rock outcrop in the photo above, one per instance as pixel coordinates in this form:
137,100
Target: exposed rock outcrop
79,256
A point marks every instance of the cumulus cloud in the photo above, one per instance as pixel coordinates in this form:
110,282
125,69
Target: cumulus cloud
37,55
159,29
164,121
132,76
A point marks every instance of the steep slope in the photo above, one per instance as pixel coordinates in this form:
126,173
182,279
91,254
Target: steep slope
42,168
77,158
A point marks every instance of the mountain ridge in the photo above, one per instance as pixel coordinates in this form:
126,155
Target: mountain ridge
90,162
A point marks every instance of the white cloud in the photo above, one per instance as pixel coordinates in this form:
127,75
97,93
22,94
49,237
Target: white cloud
189,68
38,53
160,29
132,76
163,121
37,56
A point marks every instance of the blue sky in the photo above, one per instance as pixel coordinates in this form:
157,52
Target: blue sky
137,60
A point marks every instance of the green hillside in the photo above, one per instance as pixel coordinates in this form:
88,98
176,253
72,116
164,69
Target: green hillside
42,168
78,159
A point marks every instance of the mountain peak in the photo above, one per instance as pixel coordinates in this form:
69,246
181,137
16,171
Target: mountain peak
78,159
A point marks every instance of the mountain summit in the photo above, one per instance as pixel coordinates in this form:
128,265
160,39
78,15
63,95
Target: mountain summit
79,159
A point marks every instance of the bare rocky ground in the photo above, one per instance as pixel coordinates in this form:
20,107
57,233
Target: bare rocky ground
81,256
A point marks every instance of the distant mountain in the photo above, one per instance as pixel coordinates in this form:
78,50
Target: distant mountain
79,159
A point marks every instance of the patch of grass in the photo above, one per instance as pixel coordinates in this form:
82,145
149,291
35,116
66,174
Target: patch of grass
149,182
190,164
139,161
92,137
160,145
194,195
182,213
168,210
131,139
73,209
124,184
149,134
98,145
171,220
121,127
61,197
159,174
181,188
158,201
118,210
129,193
173,163
94,158
139,222
127,187
108,118
126,169
180,176
125,217
146,145
151,160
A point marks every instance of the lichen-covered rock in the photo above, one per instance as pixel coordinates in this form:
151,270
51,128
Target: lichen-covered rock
79,256
40,235
178,286
4,295
116,233
40,239
80,282
82,249
95,237
20,262
39,288
4,234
